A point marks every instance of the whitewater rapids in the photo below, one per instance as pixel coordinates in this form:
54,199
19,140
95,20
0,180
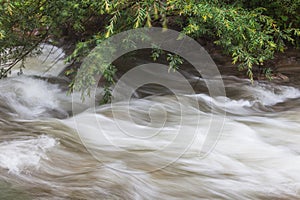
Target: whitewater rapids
43,152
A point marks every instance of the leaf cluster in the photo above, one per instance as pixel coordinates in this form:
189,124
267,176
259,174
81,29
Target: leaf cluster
251,31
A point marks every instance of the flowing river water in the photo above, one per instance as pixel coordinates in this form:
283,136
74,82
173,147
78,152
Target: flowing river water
42,155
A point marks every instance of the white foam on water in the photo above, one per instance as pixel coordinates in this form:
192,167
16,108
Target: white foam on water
272,94
21,155
267,94
29,97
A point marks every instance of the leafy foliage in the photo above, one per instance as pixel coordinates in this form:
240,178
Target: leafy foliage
251,31
248,35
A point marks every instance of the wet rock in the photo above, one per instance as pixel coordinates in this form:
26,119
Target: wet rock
280,77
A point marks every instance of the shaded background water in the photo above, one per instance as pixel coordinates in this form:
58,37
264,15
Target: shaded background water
43,157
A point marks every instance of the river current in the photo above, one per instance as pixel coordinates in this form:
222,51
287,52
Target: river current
44,154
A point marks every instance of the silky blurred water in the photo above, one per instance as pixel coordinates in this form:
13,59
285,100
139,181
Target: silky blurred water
48,148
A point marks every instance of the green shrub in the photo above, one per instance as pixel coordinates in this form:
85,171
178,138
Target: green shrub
251,31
